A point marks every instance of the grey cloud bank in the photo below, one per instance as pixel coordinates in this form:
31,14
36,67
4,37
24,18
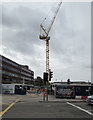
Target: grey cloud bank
70,44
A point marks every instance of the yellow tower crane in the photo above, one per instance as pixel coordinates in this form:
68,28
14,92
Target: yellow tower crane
46,36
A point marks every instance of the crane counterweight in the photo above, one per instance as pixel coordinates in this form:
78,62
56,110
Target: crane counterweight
42,37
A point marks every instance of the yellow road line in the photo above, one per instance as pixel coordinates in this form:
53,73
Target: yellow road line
3,112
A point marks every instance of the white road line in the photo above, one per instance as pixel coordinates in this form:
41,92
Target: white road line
80,108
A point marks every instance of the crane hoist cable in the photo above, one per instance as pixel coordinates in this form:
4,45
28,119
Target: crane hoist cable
47,14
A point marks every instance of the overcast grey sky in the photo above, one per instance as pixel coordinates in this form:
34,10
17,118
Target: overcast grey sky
70,44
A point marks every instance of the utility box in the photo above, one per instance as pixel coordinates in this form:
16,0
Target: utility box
8,88
14,89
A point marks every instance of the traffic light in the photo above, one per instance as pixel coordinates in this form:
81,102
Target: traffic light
68,81
45,77
50,75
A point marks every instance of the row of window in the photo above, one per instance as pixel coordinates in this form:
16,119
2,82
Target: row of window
11,68
15,75
26,74
10,62
25,78
9,74
16,70
26,70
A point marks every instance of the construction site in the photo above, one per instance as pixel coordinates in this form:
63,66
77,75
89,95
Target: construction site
46,69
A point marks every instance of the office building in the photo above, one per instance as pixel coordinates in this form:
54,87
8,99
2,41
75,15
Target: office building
12,72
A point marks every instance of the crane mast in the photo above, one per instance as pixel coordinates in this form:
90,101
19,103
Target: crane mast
47,38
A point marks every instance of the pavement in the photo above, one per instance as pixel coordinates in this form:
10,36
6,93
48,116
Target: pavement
51,98
8,99
33,106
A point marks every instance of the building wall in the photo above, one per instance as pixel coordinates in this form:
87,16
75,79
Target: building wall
38,81
13,72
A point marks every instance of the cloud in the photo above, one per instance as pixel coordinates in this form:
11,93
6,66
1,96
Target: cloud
70,43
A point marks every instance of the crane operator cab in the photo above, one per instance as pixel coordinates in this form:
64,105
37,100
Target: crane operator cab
43,37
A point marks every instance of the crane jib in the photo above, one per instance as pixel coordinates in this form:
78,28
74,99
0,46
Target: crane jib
52,21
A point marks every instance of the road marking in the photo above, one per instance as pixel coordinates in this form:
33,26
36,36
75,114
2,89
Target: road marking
3,112
80,108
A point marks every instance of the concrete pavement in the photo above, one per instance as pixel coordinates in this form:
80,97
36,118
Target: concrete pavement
7,99
51,98
30,107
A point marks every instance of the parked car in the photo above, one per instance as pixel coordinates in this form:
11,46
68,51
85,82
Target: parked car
90,100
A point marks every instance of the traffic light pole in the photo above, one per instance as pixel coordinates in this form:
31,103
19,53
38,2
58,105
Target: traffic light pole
46,92
48,71
50,75
45,80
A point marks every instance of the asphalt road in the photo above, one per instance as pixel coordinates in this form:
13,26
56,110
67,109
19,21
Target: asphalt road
31,107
